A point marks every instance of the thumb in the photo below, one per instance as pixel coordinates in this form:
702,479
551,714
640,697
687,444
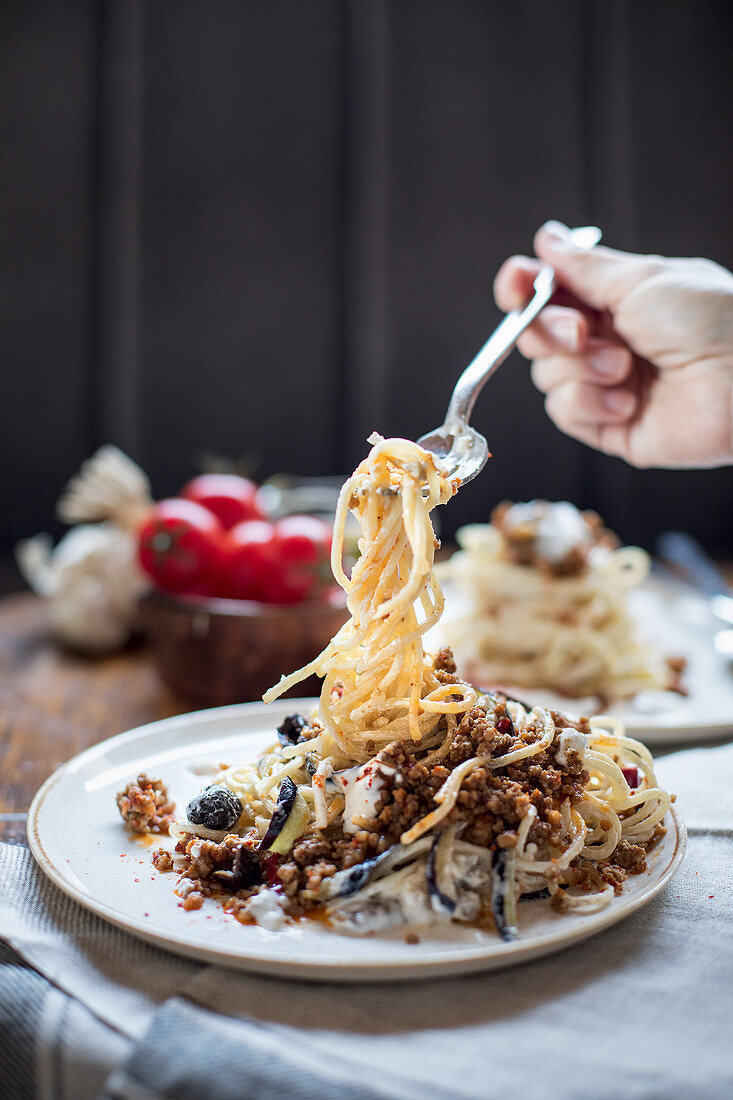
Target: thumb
599,276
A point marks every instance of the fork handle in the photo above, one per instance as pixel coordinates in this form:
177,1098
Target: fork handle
503,340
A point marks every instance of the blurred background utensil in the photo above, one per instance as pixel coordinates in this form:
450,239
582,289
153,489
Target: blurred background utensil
461,449
685,556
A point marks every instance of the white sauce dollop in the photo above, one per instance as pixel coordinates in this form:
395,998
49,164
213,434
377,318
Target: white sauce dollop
362,789
570,741
266,908
558,528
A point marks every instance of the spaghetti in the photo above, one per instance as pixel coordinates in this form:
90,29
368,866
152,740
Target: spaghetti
410,795
377,685
545,593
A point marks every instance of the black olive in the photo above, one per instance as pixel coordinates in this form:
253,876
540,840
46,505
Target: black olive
292,730
246,871
215,808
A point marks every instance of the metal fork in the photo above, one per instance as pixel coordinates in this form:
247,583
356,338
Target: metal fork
462,450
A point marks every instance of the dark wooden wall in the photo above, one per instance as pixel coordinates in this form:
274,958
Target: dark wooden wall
263,228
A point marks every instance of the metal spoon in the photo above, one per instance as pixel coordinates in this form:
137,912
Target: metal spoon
462,450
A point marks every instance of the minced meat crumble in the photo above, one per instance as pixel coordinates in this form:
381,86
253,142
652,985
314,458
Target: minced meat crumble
490,806
145,806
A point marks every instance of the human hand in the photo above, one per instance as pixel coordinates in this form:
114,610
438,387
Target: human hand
636,353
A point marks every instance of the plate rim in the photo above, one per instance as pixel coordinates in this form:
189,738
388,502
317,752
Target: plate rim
473,958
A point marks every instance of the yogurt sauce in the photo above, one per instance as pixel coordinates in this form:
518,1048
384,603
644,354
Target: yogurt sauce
266,909
570,741
362,788
557,527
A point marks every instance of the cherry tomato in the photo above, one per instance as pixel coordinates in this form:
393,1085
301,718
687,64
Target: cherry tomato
284,562
232,499
249,560
303,547
180,546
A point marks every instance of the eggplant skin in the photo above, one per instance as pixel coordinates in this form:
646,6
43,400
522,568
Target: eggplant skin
349,881
439,900
498,898
246,871
285,802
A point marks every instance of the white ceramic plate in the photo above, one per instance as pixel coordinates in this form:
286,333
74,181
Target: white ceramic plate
80,842
675,619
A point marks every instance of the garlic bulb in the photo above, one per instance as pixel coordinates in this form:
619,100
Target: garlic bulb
92,583
109,486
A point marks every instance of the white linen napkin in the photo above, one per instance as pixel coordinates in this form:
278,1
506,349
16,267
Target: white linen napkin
641,1010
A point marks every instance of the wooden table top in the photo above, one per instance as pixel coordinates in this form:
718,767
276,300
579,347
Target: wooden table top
54,704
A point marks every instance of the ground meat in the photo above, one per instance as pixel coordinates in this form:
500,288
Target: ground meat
445,661
318,856
407,795
676,667
629,857
145,806
194,900
520,543
214,869
162,860
444,666
490,805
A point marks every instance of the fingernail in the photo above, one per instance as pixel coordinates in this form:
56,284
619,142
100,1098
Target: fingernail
607,362
565,332
558,236
556,230
618,401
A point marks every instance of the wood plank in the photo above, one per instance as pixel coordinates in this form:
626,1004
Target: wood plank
54,704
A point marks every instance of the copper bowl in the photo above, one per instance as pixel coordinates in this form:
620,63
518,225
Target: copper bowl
216,651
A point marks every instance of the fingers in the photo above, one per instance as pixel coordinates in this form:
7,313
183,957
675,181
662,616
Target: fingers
592,396
513,285
576,406
556,329
565,325
610,438
599,276
600,364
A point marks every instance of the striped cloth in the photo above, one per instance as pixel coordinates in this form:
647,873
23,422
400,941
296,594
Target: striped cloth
641,1011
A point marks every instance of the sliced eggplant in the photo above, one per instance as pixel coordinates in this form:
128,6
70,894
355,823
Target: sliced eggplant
536,894
375,915
292,730
399,898
246,871
500,698
290,819
441,883
345,883
503,900
311,764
